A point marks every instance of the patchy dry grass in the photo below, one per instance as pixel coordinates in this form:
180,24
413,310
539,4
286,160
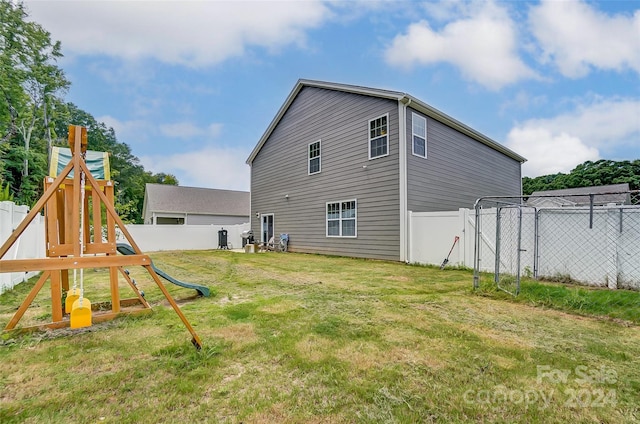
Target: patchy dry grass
304,338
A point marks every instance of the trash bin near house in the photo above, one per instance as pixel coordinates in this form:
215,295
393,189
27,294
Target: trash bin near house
222,239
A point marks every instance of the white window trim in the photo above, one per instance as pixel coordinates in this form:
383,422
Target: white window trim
319,158
369,136
326,219
415,116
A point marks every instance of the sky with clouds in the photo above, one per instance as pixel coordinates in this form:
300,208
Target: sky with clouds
191,86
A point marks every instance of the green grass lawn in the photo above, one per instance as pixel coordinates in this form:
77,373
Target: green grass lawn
305,338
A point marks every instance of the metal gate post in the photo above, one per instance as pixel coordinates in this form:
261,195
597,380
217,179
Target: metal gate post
497,262
519,249
476,249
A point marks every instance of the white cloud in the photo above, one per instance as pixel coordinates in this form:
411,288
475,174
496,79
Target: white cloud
188,130
578,37
126,130
444,10
214,130
210,167
548,152
523,101
483,45
559,144
194,33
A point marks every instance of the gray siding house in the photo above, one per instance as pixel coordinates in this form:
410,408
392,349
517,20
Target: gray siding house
340,167
177,205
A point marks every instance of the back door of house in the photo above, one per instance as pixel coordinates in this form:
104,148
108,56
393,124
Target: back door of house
266,230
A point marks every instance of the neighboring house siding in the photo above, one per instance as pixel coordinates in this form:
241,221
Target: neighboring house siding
341,121
196,219
200,206
457,171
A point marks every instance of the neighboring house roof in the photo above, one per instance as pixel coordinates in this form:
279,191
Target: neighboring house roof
580,196
195,200
385,94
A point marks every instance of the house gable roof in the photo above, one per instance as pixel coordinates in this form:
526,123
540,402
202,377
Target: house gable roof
195,200
385,94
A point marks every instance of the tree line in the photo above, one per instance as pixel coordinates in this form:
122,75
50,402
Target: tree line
588,174
34,117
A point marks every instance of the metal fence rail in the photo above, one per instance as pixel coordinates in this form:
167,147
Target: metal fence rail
591,239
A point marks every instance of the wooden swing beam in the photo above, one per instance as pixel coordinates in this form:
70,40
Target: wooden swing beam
61,203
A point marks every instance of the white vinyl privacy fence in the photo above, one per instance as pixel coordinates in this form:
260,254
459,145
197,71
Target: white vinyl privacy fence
432,235
30,245
149,238
153,238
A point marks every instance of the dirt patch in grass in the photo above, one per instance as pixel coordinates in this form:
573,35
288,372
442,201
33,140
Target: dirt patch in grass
239,335
364,355
500,338
314,348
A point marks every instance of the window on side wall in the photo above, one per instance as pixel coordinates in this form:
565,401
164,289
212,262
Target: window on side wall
419,131
342,219
378,137
314,158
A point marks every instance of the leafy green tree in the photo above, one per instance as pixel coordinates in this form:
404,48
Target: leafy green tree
34,116
5,194
30,80
587,174
12,73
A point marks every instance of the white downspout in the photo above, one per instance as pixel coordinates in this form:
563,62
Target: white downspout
402,130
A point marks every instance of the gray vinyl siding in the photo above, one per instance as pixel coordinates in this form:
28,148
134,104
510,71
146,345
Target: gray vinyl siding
457,171
340,120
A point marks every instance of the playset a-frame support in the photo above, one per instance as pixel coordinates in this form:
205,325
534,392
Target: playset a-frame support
69,237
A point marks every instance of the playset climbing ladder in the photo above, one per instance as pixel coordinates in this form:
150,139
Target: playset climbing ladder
72,195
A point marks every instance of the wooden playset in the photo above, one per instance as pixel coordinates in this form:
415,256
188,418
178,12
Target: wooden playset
80,228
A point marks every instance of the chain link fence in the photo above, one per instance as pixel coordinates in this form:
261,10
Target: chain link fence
591,239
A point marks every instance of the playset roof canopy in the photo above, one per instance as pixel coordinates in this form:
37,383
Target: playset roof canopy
97,162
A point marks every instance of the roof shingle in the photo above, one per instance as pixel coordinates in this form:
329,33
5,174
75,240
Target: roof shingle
196,200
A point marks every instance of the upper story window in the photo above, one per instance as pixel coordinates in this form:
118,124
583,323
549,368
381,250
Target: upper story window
314,157
341,219
378,137
419,125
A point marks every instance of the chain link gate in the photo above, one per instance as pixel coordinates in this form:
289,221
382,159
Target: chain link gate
590,239
505,246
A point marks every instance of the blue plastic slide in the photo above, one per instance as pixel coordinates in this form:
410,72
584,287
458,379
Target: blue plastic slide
125,249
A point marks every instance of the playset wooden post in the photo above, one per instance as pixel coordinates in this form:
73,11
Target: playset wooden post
68,204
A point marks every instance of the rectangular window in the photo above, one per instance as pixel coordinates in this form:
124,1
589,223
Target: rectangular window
314,157
378,138
419,125
341,219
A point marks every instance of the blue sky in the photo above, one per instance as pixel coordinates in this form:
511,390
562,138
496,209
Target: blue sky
191,86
